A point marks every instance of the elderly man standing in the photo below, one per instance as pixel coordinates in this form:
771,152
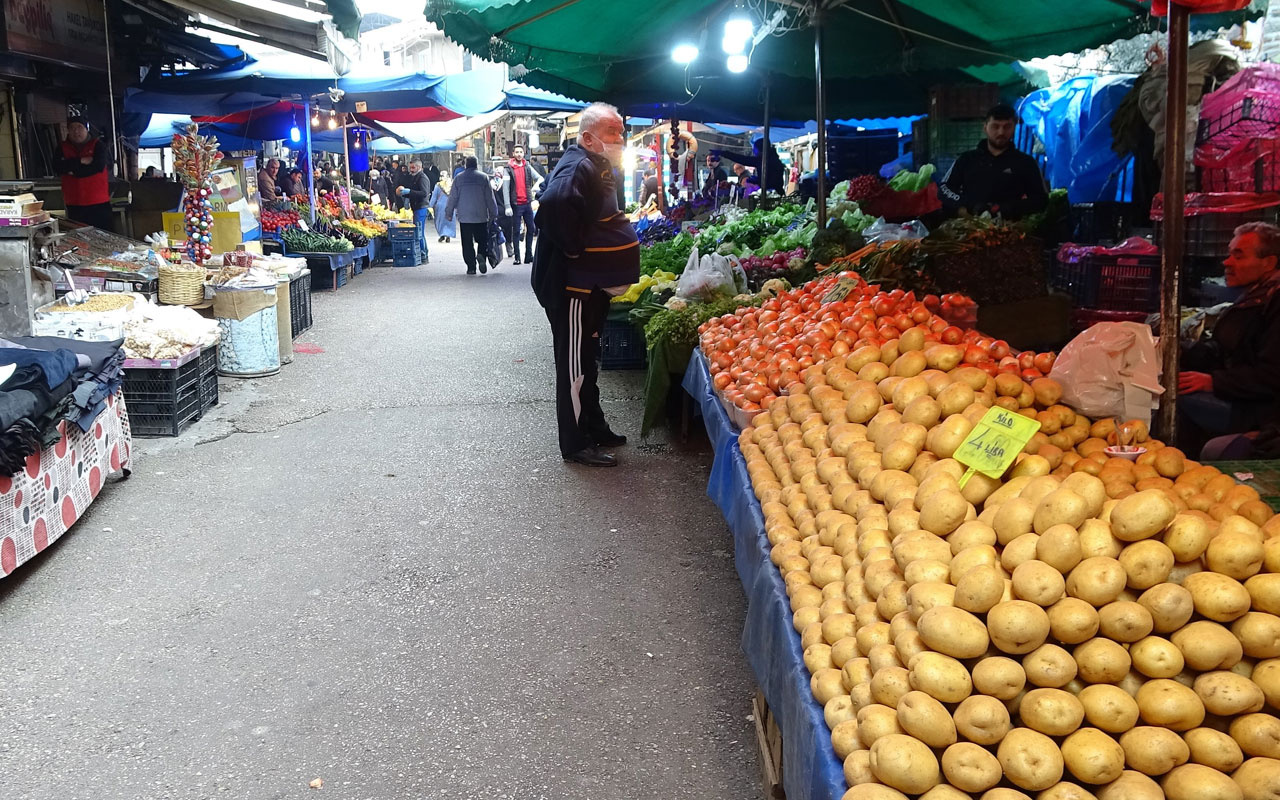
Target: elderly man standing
268,189
1231,380
587,252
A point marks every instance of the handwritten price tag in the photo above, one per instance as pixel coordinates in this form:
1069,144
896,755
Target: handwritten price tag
994,442
840,291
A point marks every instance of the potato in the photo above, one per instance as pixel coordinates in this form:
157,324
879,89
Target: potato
1072,620
923,717
1198,782
872,791
1059,547
953,632
817,656
970,768
1171,606
826,684
1109,708
1237,555
1153,751
1124,621
1097,580
844,739
1142,515
1093,756
1156,657
982,720
1066,791
1017,626
1049,666
889,685
905,764
1030,760
1169,704
1051,711
1213,749
1259,779
1259,633
1096,540
1019,552
1267,675
944,512
979,589
1131,785
1039,583
1208,646
1146,563
1060,507
1102,661
876,721
940,676
1187,536
999,677
1000,793
1013,519
1264,592
1257,734
1228,694
838,709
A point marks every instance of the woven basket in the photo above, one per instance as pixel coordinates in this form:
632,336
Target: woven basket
181,287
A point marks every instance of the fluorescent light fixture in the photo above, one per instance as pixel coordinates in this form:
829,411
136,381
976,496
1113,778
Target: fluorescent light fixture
738,62
739,27
733,46
684,53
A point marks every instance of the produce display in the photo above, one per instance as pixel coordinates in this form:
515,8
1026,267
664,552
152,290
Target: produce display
1085,625
760,268
657,282
383,213
300,241
364,227
669,256
275,221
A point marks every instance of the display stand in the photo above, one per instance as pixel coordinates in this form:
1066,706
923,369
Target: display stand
770,642
44,500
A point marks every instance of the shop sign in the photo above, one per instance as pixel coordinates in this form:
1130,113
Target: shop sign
70,31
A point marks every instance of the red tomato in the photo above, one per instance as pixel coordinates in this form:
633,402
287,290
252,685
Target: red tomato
932,302
952,335
989,367
999,349
1031,374
921,314
884,307
1044,362
903,321
975,355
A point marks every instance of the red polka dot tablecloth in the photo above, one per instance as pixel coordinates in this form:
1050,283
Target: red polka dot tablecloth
43,501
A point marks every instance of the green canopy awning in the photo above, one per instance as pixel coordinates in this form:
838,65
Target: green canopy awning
893,49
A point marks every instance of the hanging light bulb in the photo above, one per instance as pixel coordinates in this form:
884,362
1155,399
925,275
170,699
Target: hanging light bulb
358,137
315,118
333,120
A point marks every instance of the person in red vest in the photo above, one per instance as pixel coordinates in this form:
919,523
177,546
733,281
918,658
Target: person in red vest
525,181
83,167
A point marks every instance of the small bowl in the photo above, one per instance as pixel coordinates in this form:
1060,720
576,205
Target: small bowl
1129,453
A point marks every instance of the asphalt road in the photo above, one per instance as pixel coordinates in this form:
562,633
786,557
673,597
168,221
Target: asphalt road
374,569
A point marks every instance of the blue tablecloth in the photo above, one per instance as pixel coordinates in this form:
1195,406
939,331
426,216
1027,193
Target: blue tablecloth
770,642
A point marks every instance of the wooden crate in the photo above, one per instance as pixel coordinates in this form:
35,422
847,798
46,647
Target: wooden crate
769,737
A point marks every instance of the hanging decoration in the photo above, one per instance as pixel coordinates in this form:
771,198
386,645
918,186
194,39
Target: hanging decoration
195,158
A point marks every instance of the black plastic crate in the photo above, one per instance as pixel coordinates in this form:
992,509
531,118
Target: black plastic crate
300,305
1084,318
1097,223
1109,282
208,378
621,346
162,402
327,278
1209,235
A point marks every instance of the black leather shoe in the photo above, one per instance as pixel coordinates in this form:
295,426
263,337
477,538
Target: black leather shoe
592,457
483,269
471,272
611,439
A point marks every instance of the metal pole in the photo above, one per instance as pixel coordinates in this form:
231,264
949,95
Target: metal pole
1175,174
111,91
821,116
346,152
765,145
311,167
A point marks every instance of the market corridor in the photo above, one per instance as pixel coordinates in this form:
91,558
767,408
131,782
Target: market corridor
374,569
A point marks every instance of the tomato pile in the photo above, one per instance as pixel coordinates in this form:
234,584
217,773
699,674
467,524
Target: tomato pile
756,353
273,221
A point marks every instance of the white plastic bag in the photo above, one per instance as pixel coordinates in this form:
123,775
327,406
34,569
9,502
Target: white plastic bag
1111,370
711,275
881,231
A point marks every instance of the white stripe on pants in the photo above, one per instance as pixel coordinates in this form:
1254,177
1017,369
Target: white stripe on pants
575,356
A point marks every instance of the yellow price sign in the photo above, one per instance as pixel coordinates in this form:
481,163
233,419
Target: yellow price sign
840,291
995,442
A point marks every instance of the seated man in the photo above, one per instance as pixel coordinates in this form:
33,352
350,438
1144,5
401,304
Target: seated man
1230,381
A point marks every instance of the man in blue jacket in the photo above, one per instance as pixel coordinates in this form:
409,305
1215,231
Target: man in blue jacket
587,252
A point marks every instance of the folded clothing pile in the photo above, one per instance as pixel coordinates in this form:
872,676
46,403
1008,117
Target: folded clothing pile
46,380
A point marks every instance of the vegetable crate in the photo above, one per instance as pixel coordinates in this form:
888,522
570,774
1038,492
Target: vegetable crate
328,270
165,398
300,303
208,378
1254,167
405,253
1082,319
1101,222
1109,282
1251,116
402,233
621,346
360,257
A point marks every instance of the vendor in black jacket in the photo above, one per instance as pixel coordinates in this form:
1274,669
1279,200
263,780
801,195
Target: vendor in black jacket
995,176
1230,382
587,252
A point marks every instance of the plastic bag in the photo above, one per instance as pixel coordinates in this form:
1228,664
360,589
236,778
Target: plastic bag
881,231
1198,203
1111,370
711,275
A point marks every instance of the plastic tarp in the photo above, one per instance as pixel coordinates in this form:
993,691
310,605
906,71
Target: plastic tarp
1073,120
769,640
235,137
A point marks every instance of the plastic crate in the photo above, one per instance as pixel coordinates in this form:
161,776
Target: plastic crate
1084,318
621,346
950,139
328,270
403,233
1109,282
405,254
1209,235
962,101
163,401
1097,223
300,303
1253,166
208,378
1250,116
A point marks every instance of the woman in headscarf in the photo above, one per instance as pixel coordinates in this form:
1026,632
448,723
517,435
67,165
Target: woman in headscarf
446,228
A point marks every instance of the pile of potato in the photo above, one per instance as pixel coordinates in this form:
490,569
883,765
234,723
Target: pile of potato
1083,627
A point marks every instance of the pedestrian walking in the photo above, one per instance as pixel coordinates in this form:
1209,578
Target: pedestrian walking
417,189
471,197
525,181
501,183
83,167
446,225
380,187
587,253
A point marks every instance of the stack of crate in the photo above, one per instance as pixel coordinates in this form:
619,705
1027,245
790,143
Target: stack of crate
405,251
957,115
